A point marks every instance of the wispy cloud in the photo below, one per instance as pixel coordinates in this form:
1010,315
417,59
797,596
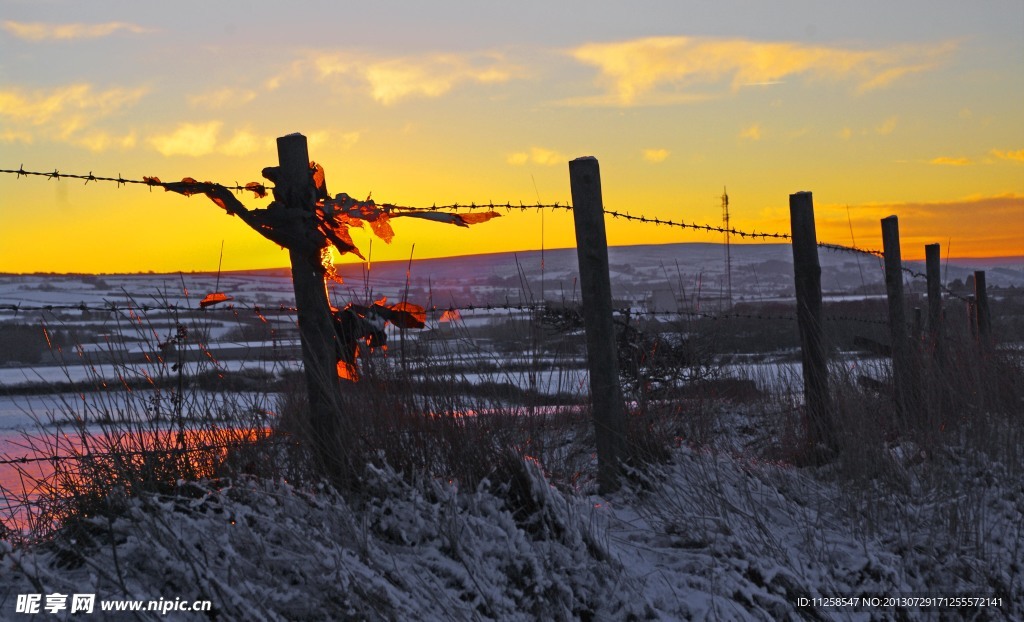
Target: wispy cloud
99,140
657,70
189,139
46,31
656,155
15,136
243,143
537,155
222,98
392,79
1009,155
66,114
42,106
948,161
887,127
924,222
200,139
751,133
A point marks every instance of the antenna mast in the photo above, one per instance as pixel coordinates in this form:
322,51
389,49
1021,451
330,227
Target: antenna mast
728,251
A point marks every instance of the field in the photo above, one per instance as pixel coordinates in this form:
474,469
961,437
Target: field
162,455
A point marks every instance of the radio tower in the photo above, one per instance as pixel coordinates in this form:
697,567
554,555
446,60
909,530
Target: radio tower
728,251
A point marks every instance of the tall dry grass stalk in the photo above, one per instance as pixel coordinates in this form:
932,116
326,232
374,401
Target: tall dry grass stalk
128,426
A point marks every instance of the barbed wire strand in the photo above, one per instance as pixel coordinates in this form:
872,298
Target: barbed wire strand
261,310
261,189
151,182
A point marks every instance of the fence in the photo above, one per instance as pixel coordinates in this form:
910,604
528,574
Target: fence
299,187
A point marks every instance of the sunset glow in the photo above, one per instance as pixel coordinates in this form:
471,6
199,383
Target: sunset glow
878,108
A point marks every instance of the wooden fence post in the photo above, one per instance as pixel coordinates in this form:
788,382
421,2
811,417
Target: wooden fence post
933,272
595,288
981,300
320,348
902,357
807,276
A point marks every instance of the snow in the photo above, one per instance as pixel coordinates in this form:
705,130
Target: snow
718,531
712,534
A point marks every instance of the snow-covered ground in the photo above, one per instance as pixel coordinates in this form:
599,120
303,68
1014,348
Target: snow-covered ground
709,535
722,530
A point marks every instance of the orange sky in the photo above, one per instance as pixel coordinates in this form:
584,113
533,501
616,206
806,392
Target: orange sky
911,110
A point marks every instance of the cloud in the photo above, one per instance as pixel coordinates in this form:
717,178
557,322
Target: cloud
752,133
658,70
243,143
845,133
656,155
947,161
200,139
44,31
518,159
222,98
64,114
190,139
97,141
14,136
537,155
992,230
1009,155
390,80
41,106
887,127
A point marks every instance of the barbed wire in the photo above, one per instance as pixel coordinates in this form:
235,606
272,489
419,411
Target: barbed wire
737,232
490,205
282,309
113,307
259,188
942,286
695,226
761,316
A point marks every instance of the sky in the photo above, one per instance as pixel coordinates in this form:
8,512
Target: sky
877,107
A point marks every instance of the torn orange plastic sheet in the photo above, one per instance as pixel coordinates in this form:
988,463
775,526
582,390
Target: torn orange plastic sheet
461,220
348,371
214,298
407,315
451,315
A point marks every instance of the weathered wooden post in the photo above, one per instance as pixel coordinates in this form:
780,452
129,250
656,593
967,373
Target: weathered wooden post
294,187
609,411
807,275
902,357
933,265
972,315
981,300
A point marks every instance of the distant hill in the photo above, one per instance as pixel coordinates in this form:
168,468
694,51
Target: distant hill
666,272
663,276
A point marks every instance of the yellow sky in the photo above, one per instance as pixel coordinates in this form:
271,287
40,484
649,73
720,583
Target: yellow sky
877,110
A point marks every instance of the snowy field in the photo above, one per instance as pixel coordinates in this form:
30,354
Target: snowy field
726,527
710,535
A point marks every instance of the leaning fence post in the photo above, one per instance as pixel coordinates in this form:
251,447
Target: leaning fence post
595,288
807,276
981,300
294,187
902,358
